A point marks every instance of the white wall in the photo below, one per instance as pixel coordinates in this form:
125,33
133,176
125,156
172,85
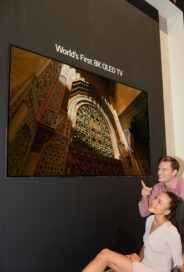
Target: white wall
172,55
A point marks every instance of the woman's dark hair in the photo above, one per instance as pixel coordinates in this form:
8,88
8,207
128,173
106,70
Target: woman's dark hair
176,215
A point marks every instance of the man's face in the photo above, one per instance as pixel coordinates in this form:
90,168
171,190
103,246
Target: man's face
165,172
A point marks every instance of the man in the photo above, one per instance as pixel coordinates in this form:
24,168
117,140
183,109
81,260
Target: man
168,181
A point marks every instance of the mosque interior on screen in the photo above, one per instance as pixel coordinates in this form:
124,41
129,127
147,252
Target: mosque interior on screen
64,121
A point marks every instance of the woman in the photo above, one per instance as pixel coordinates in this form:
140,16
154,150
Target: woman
163,241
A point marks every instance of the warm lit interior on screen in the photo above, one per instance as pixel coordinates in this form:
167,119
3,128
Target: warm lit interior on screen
64,121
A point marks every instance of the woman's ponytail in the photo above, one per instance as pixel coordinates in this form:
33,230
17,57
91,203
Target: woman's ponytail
176,215
179,220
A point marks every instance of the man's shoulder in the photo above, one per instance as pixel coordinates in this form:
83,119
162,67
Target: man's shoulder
158,186
180,187
157,189
181,179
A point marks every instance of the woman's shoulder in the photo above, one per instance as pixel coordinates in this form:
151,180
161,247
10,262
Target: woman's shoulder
149,219
172,230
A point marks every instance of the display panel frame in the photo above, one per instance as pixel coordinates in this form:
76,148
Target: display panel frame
48,136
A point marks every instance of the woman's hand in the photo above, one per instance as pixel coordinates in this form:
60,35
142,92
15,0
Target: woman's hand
134,258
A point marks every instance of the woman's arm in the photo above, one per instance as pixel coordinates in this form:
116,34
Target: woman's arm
174,242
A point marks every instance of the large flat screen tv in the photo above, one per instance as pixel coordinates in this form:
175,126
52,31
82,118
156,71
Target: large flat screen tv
66,121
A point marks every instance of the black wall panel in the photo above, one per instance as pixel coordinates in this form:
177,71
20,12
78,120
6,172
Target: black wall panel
58,224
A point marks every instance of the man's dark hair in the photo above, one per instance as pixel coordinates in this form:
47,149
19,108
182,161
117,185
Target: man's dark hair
174,163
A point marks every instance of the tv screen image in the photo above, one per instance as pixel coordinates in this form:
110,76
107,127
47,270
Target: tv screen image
66,121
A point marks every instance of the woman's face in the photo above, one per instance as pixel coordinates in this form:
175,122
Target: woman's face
160,205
